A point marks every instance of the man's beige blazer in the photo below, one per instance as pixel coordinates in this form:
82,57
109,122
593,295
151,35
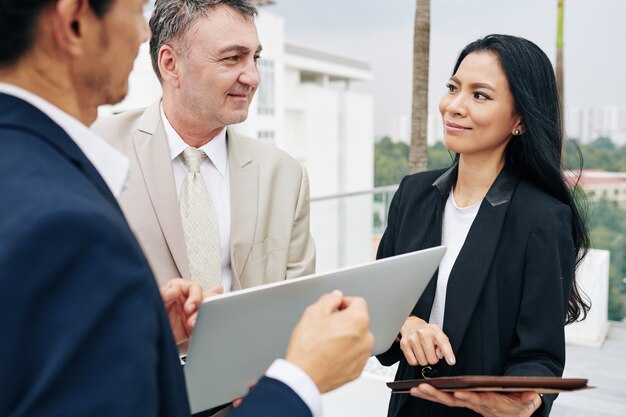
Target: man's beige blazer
269,191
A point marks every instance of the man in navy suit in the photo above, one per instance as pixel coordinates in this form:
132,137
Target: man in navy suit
83,326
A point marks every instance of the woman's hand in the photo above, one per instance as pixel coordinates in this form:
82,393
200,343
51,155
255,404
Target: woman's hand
488,404
424,344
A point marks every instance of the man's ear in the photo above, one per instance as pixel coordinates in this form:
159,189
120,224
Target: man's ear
69,22
169,65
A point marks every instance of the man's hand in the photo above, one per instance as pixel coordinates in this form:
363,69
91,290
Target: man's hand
332,341
424,344
488,404
182,299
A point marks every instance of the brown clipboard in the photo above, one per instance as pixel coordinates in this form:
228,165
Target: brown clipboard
540,384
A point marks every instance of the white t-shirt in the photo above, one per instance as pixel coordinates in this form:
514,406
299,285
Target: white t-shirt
457,222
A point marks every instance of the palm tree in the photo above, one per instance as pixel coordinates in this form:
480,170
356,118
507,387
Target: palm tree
418,152
559,51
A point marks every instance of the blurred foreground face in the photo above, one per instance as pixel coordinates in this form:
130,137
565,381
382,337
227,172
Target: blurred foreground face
218,73
478,109
117,35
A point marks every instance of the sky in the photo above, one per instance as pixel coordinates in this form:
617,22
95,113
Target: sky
381,33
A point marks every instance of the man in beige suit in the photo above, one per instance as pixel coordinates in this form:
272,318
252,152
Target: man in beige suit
204,53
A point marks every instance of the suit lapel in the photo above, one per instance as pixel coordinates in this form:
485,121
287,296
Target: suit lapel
244,198
472,266
155,162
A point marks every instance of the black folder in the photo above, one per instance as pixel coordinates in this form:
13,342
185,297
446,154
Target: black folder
540,384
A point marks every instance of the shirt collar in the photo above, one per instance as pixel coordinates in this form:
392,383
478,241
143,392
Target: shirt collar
499,193
216,149
110,163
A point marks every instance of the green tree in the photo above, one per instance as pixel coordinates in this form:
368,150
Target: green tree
390,162
607,223
600,154
603,143
439,156
608,214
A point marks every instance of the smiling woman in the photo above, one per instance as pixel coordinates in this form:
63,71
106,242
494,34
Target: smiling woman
506,285
479,115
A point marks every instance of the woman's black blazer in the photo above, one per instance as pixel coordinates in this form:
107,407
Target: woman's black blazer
508,290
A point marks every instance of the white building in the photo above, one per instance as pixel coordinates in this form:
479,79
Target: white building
601,185
401,128
330,128
589,123
306,105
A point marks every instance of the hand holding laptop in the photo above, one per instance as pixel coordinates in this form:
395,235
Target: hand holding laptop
182,299
332,341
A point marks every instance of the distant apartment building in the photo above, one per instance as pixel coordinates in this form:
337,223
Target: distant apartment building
401,128
602,185
589,123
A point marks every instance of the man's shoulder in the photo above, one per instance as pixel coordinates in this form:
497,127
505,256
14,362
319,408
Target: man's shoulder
127,118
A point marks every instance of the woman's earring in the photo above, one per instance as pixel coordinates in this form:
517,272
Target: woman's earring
517,132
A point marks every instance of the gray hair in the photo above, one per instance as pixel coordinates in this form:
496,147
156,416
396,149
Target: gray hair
172,19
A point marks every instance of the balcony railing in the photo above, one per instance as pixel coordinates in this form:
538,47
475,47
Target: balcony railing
347,227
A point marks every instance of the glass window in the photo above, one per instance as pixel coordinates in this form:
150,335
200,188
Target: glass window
266,88
267,136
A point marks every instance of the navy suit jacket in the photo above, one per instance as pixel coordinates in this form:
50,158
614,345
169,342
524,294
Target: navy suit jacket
82,323
508,290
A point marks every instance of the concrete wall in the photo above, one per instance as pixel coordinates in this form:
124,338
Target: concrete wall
593,278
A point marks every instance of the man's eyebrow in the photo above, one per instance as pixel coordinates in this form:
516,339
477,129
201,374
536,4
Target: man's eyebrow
474,85
239,48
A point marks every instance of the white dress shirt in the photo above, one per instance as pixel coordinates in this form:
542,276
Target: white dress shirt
214,170
457,222
296,379
113,167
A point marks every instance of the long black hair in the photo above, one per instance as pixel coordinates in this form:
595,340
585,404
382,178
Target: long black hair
536,153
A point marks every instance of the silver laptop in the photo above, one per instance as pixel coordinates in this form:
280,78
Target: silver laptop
238,335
